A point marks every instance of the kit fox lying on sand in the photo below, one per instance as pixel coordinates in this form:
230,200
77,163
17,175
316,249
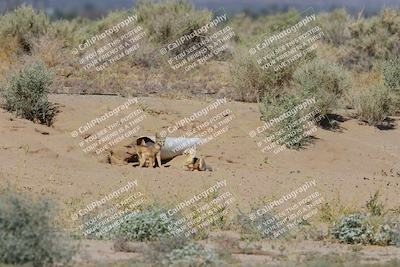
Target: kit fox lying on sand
193,163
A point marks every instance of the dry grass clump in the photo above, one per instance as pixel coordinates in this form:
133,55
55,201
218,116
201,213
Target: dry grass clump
374,105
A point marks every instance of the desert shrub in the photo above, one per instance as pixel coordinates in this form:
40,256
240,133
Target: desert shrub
326,81
391,74
249,228
365,228
249,80
181,252
109,21
26,94
374,105
376,226
391,228
373,39
27,232
192,255
292,130
389,231
147,56
24,23
249,27
51,51
335,26
353,229
69,30
80,29
90,28
146,225
214,203
251,83
336,260
166,21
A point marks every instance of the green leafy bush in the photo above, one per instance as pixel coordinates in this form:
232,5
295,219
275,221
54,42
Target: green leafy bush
191,255
26,94
146,225
27,232
365,228
324,80
180,252
25,24
354,229
374,105
376,227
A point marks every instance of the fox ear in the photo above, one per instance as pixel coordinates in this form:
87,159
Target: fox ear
191,151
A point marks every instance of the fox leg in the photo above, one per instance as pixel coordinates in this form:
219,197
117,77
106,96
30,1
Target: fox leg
202,165
151,161
142,160
158,156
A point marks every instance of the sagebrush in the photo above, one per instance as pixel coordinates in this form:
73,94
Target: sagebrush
166,21
324,80
28,233
293,130
24,24
391,74
26,94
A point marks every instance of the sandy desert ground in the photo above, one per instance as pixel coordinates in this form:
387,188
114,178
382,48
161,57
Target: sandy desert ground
349,164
